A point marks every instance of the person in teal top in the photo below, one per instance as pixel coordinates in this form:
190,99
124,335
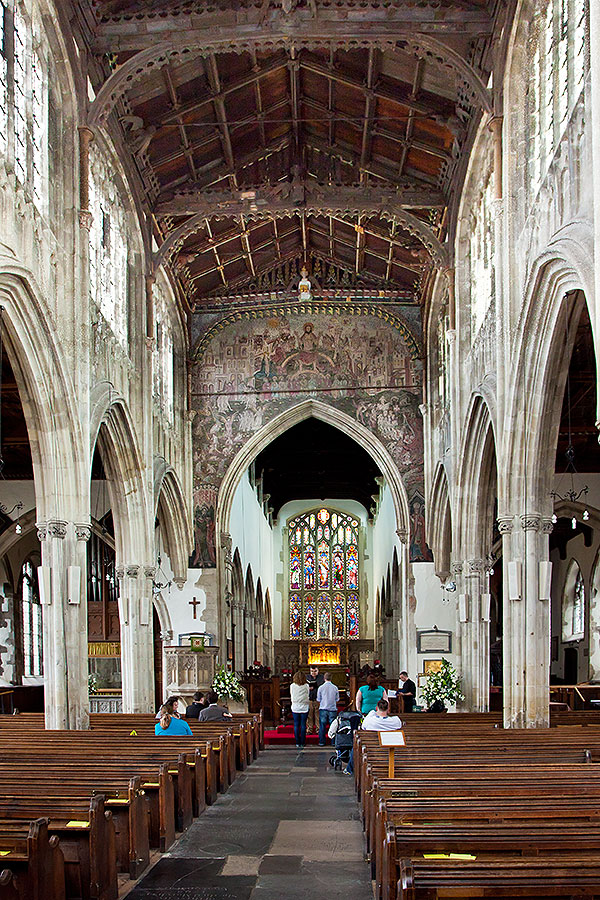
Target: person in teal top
171,725
369,695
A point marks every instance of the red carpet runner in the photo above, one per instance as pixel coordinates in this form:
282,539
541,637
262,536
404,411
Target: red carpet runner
284,735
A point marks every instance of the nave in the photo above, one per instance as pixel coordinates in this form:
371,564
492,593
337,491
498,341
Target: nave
288,827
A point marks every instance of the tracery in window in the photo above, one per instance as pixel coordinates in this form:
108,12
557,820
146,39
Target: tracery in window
163,361
481,247
324,572
3,81
108,257
557,50
31,622
573,604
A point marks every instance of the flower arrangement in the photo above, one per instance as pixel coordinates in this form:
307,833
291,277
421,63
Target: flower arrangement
442,686
92,683
226,684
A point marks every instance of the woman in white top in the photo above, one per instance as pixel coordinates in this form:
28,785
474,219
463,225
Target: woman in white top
299,694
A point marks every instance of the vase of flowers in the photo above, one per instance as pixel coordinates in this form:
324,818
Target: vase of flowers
442,687
231,693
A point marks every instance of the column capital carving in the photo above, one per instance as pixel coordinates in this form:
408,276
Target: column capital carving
474,567
132,571
150,572
402,535
530,521
51,528
83,532
457,568
120,572
505,524
547,526
180,582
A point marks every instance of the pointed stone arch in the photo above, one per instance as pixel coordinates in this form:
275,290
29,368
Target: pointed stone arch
172,511
477,479
286,420
440,523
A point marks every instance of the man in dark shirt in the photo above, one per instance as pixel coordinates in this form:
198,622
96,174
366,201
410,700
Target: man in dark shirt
314,681
194,709
409,689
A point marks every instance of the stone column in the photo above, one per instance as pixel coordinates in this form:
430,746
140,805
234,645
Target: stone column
526,643
137,646
594,20
476,641
237,617
251,626
62,577
406,636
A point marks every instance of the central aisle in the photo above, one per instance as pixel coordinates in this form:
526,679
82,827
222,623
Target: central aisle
287,828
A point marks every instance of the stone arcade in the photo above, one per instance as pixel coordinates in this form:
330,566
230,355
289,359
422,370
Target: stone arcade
298,325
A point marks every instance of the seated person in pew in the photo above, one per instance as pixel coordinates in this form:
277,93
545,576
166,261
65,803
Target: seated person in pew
171,704
214,712
194,709
170,724
379,719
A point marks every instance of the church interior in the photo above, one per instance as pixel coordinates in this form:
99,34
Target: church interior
298,341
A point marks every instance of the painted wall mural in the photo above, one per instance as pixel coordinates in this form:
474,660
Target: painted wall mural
249,369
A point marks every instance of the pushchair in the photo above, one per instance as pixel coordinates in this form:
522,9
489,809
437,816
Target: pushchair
348,723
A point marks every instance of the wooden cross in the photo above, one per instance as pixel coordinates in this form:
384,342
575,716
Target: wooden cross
193,602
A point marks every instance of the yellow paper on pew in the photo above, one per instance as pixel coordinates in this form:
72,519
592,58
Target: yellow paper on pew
151,784
117,800
435,856
4,852
74,823
462,856
132,733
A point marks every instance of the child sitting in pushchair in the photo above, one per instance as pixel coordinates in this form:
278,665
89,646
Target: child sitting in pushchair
341,731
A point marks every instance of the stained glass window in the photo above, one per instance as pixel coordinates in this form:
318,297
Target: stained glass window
324,557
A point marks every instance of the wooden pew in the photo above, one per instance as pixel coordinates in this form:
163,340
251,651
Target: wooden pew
33,859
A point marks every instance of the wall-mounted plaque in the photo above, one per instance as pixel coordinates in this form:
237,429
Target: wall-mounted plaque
434,641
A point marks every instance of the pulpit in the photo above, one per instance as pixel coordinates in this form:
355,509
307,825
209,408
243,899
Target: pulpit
263,693
189,670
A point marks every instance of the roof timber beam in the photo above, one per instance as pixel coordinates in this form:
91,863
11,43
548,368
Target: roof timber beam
292,197
216,171
347,154
212,72
242,23
229,87
365,201
374,129
343,34
346,242
378,91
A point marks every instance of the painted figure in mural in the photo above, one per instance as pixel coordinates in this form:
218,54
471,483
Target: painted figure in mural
205,555
338,622
338,568
352,623
352,562
419,551
295,621
309,570
304,291
309,623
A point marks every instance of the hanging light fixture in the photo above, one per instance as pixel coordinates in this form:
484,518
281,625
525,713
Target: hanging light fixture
572,496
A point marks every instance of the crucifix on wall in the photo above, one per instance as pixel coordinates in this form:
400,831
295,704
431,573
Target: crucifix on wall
195,603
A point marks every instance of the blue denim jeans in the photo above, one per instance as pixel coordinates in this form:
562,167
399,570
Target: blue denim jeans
300,728
326,717
350,766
